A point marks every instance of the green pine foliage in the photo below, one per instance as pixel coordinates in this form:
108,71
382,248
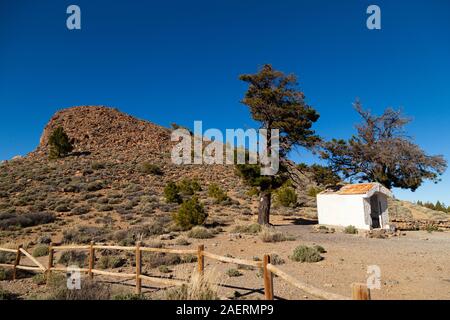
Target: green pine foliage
59,143
191,213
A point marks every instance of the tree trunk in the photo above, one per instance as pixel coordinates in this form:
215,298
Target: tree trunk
264,208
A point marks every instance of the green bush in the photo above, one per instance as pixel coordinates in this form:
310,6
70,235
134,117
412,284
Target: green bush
59,144
313,191
40,250
214,191
319,249
171,193
189,187
200,233
149,168
191,213
350,230
306,254
286,197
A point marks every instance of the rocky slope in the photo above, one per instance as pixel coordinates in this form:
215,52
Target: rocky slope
104,183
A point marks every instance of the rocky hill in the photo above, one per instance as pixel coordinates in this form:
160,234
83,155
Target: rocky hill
114,180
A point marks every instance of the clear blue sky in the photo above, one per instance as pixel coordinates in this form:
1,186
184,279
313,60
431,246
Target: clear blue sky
179,61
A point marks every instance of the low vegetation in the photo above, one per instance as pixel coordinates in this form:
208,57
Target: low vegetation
270,234
199,287
214,191
351,230
150,168
40,250
200,233
14,221
286,196
306,254
191,213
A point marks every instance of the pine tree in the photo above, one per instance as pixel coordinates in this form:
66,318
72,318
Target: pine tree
275,102
59,143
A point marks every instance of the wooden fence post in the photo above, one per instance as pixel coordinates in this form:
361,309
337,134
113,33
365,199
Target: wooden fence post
201,258
360,291
17,261
268,279
138,267
91,259
50,261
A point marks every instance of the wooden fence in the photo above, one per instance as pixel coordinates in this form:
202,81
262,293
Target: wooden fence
359,290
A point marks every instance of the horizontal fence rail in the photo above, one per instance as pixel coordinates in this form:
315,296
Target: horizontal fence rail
359,291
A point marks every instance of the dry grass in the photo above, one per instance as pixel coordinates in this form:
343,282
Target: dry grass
270,234
199,287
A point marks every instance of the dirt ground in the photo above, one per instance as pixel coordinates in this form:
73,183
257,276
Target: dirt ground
415,265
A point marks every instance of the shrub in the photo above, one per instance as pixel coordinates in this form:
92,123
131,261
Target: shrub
80,210
200,233
11,221
95,186
249,228
158,259
189,258
286,197
62,208
313,191
84,234
350,230
270,234
431,227
59,143
104,207
97,166
275,259
73,258
111,262
189,187
191,213
306,254
182,242
90,290
149,168
319,249
214,191
171,193
40,250
234,273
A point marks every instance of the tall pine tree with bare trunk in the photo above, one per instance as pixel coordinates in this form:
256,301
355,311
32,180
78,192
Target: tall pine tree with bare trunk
276,103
